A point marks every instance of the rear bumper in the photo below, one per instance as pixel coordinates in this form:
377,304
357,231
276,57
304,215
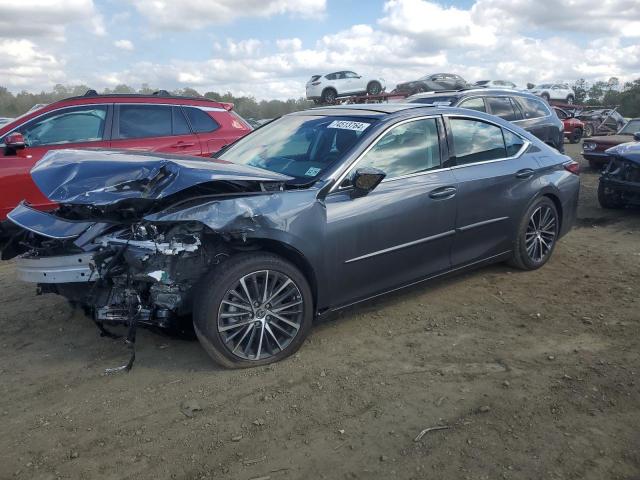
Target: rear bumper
76,268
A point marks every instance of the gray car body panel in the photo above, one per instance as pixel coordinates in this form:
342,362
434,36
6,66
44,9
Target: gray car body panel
357,247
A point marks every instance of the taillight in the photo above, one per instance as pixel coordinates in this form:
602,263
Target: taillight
573,167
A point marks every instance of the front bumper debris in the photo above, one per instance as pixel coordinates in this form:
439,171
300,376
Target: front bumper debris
58,269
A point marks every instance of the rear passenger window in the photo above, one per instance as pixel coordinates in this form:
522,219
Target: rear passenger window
474,104
533,108
476,141
139,121
201,122
412,147
503,108
513,142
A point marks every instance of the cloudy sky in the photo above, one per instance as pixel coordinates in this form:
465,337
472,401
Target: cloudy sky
269,48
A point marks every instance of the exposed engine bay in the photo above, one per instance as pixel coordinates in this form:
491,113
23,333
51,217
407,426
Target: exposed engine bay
132,251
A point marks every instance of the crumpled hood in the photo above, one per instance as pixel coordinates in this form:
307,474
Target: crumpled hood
103,177
629,151
610,139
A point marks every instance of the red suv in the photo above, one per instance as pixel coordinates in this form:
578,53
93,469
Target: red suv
158,123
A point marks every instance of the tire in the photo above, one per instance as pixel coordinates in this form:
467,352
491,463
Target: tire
588,130
531,250
570,99
266,339
609,199
576,135
374,88
546,97
329,95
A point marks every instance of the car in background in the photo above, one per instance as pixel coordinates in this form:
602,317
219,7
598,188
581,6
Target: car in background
436,82
573,128
313,212
594,148
600,121
619,184
561,92
156,123
494,84
326,88
521,108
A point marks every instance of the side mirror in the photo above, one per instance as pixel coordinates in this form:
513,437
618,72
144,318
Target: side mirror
636,136
15,141
366,179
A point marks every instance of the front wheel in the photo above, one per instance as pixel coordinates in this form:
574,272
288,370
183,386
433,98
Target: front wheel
588,130
252,310
536,236
329,96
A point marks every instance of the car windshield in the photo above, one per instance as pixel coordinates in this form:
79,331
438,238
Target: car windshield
630,128
425,77
300,146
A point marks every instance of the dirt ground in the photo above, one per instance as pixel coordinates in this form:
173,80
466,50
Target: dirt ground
537,376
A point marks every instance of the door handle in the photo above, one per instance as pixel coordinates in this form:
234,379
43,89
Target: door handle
525,173
182,145
443,192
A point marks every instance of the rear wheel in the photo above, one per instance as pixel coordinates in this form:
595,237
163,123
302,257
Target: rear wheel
588,130
570,99
374,88
546,96
329,95
536,236
609,198
252,310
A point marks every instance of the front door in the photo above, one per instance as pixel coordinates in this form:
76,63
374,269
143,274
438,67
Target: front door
402,230
73,127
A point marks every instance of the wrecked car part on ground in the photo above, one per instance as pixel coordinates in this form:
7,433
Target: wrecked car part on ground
313,212
619,184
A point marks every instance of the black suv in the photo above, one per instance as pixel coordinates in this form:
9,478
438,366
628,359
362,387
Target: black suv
524,109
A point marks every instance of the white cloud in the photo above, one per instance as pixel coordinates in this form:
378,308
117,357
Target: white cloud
435,26
46,18
124,44
23,65
289,44
593,17
192,14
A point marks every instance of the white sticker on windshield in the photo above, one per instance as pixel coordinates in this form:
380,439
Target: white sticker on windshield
347,125
312,172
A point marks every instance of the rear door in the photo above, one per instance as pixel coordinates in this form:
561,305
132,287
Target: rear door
70,127
537,119
504,107
403,229
495,179
156,128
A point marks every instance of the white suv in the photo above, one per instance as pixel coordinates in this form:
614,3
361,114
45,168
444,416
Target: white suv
326,88
555,91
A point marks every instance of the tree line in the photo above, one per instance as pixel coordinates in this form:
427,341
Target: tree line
609,93
13,105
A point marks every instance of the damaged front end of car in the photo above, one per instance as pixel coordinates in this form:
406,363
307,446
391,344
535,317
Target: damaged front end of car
134,233
619,183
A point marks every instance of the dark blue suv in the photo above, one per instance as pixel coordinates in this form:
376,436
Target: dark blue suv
523,109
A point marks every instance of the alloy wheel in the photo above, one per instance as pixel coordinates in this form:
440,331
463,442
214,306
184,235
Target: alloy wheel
260,315
541,233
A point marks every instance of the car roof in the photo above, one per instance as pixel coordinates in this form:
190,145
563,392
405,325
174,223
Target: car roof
473,91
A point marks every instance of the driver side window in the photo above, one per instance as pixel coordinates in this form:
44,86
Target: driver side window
412,147
70,125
